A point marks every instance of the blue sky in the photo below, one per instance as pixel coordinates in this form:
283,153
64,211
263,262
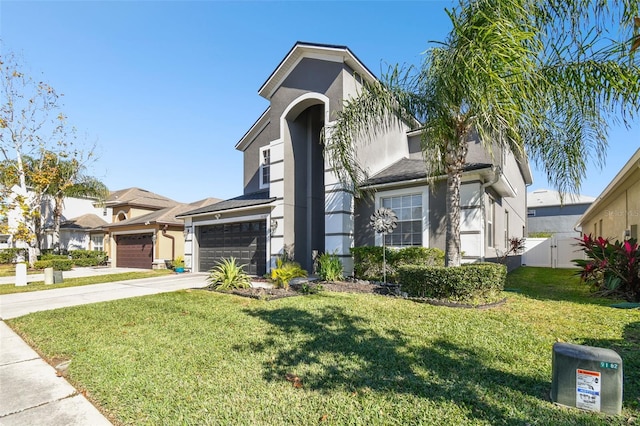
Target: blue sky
167,89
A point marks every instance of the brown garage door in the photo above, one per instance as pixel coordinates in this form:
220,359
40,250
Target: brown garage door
246,241
134,251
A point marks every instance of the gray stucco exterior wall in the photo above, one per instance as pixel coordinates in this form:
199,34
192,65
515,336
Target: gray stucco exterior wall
363,234
437,215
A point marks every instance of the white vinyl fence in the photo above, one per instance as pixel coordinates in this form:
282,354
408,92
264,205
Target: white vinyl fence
551,252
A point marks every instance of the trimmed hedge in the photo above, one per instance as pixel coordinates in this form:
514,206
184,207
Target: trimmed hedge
57,264
368,262
64,262
87,254
466,283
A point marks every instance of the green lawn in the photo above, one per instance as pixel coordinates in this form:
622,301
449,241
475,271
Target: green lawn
9,270
198,357
74,282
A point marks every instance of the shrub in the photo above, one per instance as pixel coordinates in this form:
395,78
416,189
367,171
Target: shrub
368,261
86,261
284,272
418,256
470,283
228,275
87,254
10,255
330,267
57,264
612,268
51,256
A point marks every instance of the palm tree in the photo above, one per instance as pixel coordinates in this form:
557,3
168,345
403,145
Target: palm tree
539,79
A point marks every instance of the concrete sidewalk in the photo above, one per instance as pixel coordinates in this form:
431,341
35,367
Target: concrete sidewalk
30,390
32,393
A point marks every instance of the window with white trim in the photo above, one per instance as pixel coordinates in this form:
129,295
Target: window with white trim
97,242
408,208
265,167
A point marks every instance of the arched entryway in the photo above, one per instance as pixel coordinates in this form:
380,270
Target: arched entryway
304,185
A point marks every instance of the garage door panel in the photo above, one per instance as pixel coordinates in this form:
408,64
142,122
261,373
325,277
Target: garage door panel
134,251
246,241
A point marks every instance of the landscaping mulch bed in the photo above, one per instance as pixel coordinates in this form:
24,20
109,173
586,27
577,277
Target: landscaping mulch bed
354,286
298,289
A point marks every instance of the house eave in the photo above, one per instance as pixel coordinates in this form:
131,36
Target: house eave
479,174
229,210
251,134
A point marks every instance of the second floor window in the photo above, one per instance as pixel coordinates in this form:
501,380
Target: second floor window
265,167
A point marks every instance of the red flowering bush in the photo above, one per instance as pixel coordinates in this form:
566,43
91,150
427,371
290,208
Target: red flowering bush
613,268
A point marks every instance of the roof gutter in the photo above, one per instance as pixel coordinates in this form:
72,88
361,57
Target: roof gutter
419,180
233,210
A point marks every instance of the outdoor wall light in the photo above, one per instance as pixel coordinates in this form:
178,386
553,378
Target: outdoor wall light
274,225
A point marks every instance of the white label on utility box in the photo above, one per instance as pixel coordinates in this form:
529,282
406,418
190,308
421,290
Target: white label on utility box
588,390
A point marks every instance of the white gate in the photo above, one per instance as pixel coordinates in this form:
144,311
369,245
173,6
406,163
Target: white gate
551,252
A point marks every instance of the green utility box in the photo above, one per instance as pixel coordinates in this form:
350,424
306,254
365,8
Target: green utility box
587,377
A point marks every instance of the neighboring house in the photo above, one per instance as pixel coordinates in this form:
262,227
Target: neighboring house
77,234
73,208
144,235
85,232
547,214
132,245
615,213
292,200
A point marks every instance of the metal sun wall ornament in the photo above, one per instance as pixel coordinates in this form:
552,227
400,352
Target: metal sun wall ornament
384,221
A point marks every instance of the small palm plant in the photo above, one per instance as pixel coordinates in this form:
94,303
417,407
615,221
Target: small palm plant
228,274
284,272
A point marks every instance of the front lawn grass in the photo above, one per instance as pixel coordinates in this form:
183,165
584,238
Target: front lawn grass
74,282
9,270
199,357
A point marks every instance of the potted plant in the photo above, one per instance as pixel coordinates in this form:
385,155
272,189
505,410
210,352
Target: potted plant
178,264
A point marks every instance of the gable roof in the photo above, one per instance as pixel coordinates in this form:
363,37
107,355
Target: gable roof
166,216
246,200
138,197
87,222
301,50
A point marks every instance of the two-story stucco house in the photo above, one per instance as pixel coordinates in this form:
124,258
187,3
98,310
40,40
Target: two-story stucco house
292,200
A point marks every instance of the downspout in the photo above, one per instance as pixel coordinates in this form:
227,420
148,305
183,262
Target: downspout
173,241
496,176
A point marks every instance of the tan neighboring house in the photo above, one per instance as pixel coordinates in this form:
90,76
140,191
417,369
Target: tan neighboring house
145,232
615,213
127,243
